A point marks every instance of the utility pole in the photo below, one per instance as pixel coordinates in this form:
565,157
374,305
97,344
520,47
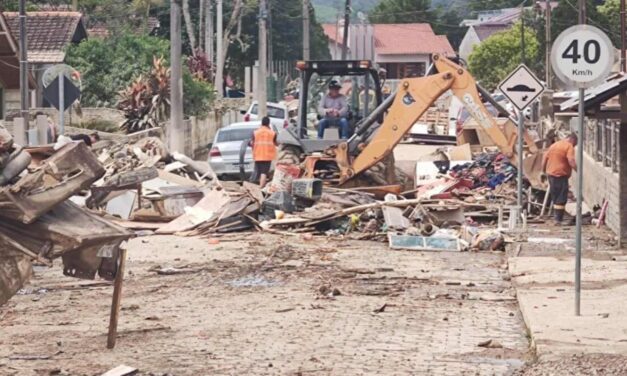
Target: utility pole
262,94
547,57
623,46
201,24
176,133
306,55
24,89
522,32
219,54
347,17
209,31
270,53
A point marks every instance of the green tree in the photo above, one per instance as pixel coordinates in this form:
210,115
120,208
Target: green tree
610,11
448,23
479,5
402,11
286,37
566,14
492,60
108,65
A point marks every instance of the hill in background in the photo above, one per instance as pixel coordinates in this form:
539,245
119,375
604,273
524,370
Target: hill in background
328,10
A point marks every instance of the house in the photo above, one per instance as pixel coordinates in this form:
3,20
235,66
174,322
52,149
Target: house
477,34
489,23
604,148
484,15
9,70
49,34
404,50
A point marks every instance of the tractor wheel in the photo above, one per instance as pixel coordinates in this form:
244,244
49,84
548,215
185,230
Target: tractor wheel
289,154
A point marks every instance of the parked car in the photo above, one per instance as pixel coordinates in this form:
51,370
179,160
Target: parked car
224,155
277,112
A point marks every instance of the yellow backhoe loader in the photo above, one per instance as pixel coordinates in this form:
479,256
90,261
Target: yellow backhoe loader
379,131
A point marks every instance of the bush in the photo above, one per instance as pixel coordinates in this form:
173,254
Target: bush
198,95
109,65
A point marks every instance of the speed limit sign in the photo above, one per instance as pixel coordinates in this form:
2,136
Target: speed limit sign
582,56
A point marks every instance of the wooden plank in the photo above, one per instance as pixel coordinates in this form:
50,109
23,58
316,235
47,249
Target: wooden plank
117,299
121,370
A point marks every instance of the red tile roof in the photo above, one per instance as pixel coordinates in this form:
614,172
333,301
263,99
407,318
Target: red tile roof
403,39
49,33
330,31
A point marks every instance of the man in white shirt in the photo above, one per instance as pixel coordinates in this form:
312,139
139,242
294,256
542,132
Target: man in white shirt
333,107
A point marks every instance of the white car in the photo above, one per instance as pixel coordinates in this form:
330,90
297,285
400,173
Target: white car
224,156
277,112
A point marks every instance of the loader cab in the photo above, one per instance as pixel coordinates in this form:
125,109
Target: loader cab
360,85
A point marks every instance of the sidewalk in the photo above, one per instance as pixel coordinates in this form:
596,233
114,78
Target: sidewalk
546,296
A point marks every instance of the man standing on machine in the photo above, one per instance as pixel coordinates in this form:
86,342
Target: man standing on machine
333,108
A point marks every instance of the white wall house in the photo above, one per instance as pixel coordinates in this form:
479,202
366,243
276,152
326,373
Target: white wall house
404,50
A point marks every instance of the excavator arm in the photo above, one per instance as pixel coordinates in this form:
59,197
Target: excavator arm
412,99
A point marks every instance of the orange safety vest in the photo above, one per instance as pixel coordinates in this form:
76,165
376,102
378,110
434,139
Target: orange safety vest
264,149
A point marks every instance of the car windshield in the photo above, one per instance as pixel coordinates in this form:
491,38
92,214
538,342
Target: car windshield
237,134
273,112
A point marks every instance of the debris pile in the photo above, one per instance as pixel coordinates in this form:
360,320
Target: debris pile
81,204
39,223
445,213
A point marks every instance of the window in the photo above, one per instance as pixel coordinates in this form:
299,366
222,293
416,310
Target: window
227,135
273,112
601,141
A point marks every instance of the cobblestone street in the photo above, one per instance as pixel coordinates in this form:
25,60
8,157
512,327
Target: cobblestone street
273,305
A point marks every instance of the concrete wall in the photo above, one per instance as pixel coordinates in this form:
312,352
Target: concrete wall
601,180
599,184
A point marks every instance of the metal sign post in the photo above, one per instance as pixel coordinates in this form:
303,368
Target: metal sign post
521,129
61,105
521,88
582,96
582,56
62,85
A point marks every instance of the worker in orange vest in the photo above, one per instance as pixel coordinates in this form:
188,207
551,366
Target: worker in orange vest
558,163
264,151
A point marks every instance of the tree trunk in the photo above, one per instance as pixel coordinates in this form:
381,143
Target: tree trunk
201,24
189,26
234,20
